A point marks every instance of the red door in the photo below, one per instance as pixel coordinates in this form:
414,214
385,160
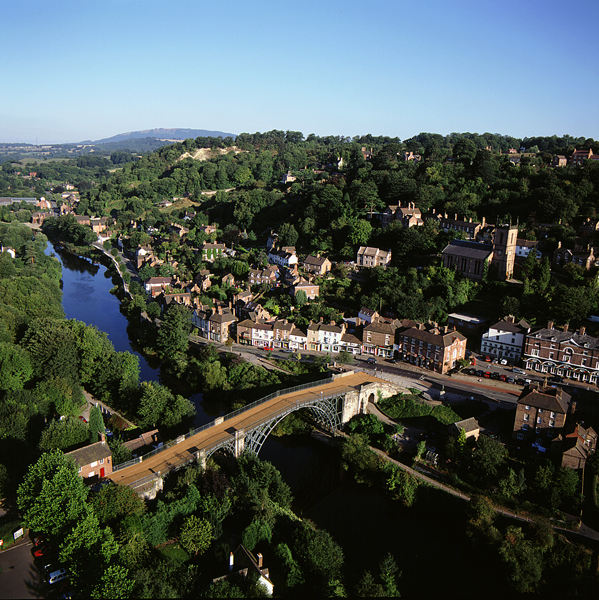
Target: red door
101,472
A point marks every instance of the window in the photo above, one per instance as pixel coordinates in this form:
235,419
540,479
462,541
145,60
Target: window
526,417
552,423
520,436
525,427
552,415
101,461
527,407
95,463
540,410
538,419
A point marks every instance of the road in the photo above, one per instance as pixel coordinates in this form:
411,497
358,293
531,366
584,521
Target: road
20,578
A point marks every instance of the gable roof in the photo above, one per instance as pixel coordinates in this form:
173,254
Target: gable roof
547,398
88,454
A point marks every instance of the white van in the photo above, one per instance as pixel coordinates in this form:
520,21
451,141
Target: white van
57,576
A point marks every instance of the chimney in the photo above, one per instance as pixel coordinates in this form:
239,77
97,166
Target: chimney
483,222
550,325
565,327
582,331
102,438
572,407
455,216
231,561
220,310
470,220
260,559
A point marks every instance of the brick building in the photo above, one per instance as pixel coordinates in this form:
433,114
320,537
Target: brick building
435,348
94,461
572,354
540,415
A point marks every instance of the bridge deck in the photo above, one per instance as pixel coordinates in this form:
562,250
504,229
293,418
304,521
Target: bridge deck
208,438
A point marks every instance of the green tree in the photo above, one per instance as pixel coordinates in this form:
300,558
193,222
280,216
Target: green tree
15,367
52,496
195,535
173,336
403,485
301,298
96,424
114,583
320,556
64,434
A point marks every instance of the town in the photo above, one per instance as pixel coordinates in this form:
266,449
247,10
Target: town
470,338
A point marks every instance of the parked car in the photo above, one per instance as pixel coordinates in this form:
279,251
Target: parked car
503,361
503,377
495,375
42,550
58,575
511,380
520,381
480,373
519,371
488,374
487,359
371,360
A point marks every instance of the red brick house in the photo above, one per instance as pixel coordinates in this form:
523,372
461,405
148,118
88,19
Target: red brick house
540,415
573,354
94,461
435,348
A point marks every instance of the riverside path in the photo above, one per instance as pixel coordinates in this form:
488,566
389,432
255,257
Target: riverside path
235,431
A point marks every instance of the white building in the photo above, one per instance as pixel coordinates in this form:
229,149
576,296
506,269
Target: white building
505,339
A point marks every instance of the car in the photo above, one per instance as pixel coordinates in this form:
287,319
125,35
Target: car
480,373
502,377
511,380
287,350
495,375
42,550
503,361
488,374
82,418
520,381
469,371
495,361
58,575
519,371
371,360
487,359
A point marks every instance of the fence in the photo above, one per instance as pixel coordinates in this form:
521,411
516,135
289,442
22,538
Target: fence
226,417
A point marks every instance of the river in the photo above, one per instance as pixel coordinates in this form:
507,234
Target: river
364,522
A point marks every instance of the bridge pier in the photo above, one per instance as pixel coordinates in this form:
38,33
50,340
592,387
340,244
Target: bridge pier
239,442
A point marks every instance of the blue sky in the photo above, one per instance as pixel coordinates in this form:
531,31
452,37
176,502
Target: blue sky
76,70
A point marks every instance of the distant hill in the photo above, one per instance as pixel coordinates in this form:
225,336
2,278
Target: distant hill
161,134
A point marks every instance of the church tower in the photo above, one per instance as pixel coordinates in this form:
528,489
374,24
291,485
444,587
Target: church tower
504,250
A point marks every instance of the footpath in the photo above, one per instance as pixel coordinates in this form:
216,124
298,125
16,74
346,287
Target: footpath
583,530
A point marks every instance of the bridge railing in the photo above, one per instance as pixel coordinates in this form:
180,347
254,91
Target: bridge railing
226,417
291,390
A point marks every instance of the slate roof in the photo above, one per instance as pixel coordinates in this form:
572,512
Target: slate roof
566,337
88,454
547,398
468,249
513,327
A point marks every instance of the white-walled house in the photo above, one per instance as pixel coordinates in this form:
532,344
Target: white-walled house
505,339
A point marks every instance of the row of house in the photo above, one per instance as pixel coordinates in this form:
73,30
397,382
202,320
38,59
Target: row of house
429,346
